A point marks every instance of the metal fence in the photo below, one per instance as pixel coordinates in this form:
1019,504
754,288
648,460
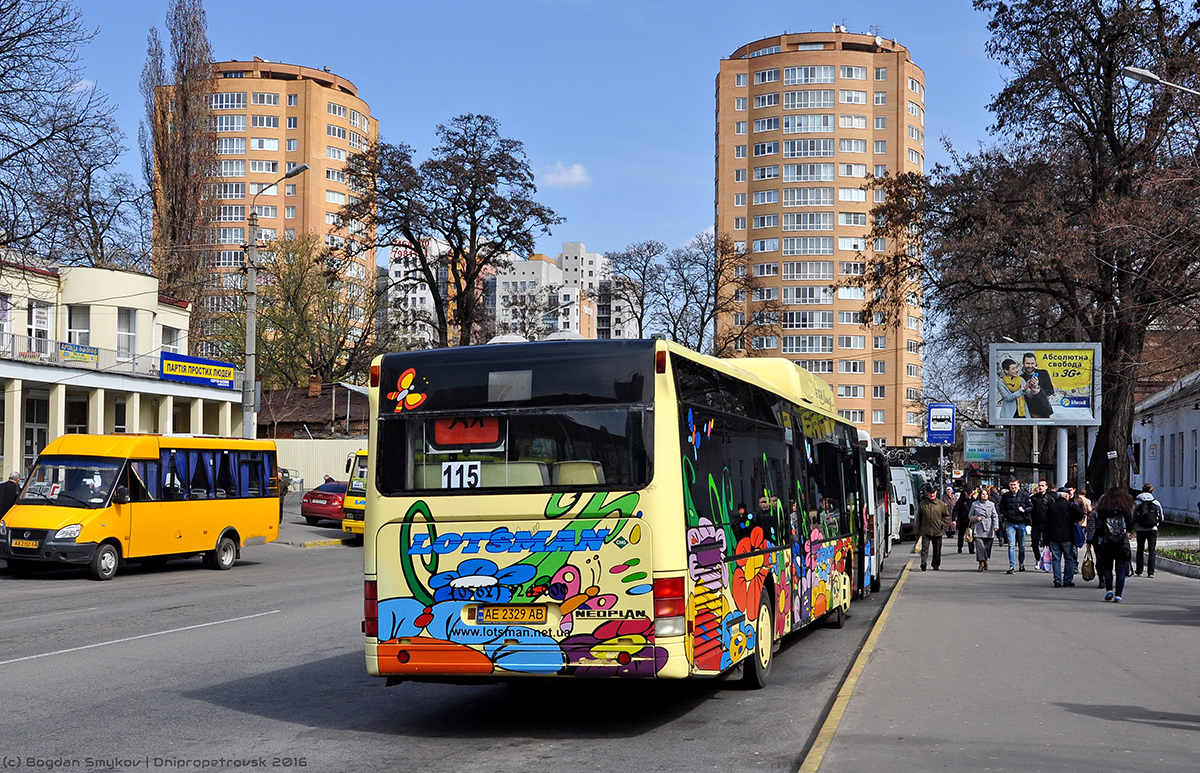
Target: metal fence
46,351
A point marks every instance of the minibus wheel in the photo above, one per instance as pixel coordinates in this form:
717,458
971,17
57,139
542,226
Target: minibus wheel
104,562
758,669
225,554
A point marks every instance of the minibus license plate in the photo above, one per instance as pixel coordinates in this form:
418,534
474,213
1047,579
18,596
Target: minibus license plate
25,543
513,613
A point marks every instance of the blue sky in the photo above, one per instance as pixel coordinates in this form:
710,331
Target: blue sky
613,99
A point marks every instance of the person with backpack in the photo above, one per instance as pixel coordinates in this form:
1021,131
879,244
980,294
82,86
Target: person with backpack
1114,524
1147,517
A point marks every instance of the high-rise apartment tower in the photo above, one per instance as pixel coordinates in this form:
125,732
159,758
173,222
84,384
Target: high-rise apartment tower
803,121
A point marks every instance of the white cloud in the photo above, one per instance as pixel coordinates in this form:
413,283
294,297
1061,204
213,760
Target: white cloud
560,176
83,84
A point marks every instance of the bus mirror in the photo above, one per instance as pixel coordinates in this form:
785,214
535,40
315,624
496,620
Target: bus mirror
121,495
349,464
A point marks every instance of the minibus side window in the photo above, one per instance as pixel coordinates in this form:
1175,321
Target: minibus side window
174,475
200,474
251,474
226,485
143,480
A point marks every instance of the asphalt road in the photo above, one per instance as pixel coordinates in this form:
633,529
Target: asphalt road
263,666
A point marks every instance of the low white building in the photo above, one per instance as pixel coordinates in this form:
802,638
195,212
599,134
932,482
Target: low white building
80,351
1166,439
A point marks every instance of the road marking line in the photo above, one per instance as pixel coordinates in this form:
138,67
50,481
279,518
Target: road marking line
135,638
47,614
816,755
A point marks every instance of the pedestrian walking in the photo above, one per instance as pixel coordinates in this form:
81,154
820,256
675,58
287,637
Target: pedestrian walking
1147,517
931,525
1061,518
11,489
962,514
1114,526
1014,516
984,521
1039,501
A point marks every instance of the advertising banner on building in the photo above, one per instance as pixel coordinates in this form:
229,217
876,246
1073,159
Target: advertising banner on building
1044,384
985,445
194,370
76,353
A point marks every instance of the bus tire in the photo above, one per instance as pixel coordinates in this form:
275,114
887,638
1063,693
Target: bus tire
224,555
312,521
758,668
105,560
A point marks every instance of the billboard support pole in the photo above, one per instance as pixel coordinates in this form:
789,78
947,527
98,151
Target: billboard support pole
1037,455
1062,456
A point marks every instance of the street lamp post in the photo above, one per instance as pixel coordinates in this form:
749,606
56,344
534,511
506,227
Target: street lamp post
249,426
1145,76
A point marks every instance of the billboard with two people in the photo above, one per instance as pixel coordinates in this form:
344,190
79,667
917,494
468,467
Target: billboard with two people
1055,384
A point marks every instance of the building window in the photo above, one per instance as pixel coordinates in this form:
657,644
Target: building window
808,148
763,221
852,121
912,418
816,366
881,342
878,392
852,268
766,76
853,170
854,416
880,73
808,320
852,97
852,342
766,148
739,103
852,194
227,101
914,347
335,131
852,366
230,146
762,125
851,318
852,146
293,100
292,145
78,325
805,296
289,212
766,197
880,97
814,99
812,74
912,395
877,417
264,143
264,167
766,100
852,73
808,245
739,127
880,122
766,245
126,333
765,342
228,123
170,340
880,367
808,270
739,199
739,151
739,175
766,172
740,79
913,371
808,221
808,124
289,189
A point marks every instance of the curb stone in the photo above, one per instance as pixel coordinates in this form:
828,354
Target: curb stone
1177,567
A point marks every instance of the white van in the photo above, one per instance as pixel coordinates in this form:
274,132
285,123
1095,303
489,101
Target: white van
903,513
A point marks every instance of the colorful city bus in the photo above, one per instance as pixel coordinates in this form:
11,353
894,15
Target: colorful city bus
101,500
603,509
355,503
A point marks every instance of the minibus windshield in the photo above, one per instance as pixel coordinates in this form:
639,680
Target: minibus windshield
72,481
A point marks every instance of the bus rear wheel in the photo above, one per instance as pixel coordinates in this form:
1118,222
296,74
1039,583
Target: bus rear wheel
223,557
104,562
758,669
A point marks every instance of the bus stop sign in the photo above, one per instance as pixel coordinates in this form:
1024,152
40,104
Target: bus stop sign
940,427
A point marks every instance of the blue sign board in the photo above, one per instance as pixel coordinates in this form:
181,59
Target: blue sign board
195,370
939,429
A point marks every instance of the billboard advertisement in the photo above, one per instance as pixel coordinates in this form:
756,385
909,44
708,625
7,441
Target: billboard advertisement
1044,384
195,370
985,445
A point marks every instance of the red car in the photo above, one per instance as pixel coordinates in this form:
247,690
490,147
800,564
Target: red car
324,503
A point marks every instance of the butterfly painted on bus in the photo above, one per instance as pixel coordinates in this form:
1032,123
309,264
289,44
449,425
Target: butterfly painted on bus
566,587
405,396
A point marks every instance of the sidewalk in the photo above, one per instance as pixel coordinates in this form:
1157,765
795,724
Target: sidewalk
988,671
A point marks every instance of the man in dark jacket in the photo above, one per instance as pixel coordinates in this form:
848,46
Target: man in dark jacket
1059,531
931,525
1039,503
1014,514
9,491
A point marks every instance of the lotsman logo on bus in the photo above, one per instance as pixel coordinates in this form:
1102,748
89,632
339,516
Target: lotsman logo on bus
502,540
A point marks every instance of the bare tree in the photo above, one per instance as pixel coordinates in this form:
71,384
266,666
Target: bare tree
1084,217
707,280
179,152
461,212
633,281
313,319
48,115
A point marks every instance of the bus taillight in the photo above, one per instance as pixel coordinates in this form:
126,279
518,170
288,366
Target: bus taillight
670,606
370,624
374,375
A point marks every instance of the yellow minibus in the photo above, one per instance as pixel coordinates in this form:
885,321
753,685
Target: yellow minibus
102,500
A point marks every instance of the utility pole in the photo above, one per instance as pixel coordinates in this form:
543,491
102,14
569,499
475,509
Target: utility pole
249,425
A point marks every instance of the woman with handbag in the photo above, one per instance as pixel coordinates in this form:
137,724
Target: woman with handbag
984,522
962,520
1114,526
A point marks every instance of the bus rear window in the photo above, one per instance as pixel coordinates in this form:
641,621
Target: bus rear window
585,448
